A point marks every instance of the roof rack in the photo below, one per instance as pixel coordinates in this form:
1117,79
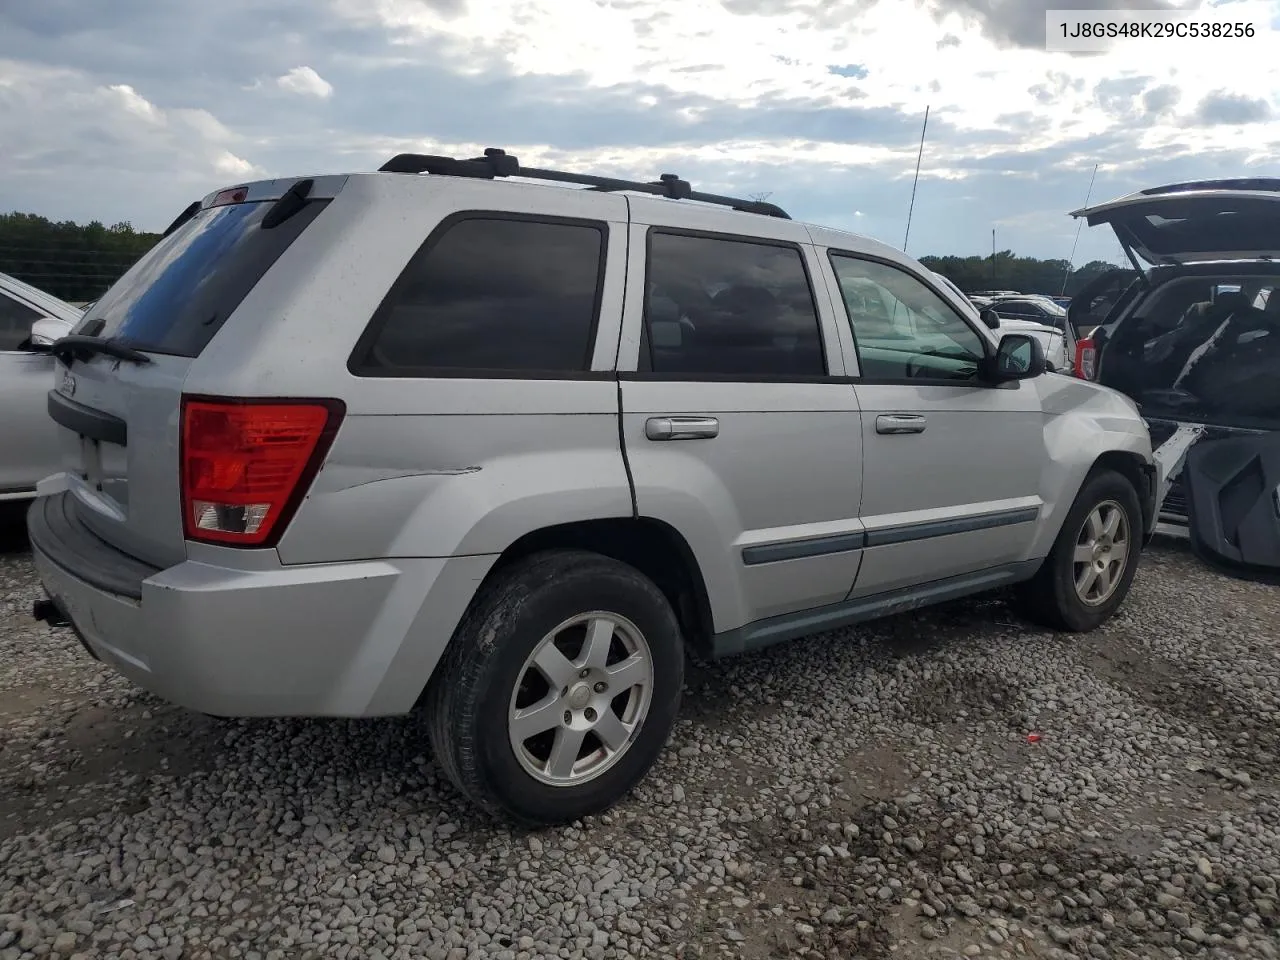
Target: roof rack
498,163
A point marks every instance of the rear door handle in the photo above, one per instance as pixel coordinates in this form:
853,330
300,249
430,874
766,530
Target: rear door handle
681,428
900,423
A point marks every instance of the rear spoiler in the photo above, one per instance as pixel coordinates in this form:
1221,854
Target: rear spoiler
296,188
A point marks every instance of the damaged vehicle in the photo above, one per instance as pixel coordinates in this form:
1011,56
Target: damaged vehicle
435,440
1193,337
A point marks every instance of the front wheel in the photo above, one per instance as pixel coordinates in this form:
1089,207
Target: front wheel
1089,571
559,690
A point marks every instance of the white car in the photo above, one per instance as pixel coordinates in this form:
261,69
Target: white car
1059,345
30,320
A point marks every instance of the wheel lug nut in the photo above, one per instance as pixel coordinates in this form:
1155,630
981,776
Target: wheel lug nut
589,714
568,717
584,674
601,687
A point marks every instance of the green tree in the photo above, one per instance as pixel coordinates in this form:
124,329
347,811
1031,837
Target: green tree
76,262
1007,271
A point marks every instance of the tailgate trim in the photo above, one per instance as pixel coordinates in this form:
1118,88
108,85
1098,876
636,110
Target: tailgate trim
86,421
56,530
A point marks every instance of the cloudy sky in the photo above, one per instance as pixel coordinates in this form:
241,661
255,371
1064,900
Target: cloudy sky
128,109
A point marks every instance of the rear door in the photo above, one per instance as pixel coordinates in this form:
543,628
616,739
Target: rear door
1209,220
119,418
738,427
952,465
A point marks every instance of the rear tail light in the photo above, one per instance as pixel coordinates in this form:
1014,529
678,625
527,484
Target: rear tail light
246,464
1086,365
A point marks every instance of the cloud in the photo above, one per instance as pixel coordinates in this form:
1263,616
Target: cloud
146,162
818,102
306,82
228,164
1121,96
1222,108
1009,23
134,104
1021,23
1160,100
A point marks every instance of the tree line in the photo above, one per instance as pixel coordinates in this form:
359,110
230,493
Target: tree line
1009,272
78,262
75,262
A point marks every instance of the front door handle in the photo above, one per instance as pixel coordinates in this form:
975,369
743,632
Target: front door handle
900,423
681,428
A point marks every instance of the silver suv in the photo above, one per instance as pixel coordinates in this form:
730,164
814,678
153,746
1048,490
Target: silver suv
441,438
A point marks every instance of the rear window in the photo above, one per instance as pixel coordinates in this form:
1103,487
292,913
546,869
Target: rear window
180,293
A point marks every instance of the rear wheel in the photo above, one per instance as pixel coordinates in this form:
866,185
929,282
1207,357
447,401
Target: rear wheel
559,689
1089,571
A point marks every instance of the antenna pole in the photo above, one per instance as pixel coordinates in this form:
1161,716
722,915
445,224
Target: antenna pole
919,157
1079,227
993,258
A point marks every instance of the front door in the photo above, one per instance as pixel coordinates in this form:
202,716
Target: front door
952,468
738,429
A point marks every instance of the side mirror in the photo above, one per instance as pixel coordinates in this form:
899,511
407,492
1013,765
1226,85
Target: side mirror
990,318
45,332
1019,357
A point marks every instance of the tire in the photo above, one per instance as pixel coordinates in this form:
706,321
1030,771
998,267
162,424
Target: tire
1051,597
487,675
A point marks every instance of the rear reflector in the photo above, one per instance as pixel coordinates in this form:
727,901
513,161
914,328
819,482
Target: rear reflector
234,195
1086,359
246,464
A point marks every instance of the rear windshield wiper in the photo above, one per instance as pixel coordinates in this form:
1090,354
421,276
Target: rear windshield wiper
80,347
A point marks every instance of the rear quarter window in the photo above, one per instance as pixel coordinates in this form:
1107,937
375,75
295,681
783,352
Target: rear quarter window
496,295
182,291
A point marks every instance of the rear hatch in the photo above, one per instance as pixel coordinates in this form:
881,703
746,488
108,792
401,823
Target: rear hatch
118,387
1206,220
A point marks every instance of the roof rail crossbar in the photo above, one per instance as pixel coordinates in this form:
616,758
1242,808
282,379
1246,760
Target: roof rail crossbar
498,163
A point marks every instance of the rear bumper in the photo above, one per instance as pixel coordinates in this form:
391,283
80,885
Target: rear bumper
344,640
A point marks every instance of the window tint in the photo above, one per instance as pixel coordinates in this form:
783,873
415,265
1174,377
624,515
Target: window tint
16,319
730,308
494,295
902,328
184,288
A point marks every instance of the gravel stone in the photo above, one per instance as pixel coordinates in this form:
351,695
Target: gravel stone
895,809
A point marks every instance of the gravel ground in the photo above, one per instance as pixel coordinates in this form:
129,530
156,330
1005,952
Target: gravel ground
863,794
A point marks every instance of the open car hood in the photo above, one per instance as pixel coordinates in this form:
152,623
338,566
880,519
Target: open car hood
1207,220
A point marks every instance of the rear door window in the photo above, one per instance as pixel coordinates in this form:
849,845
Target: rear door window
721,306
179,294
491,295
